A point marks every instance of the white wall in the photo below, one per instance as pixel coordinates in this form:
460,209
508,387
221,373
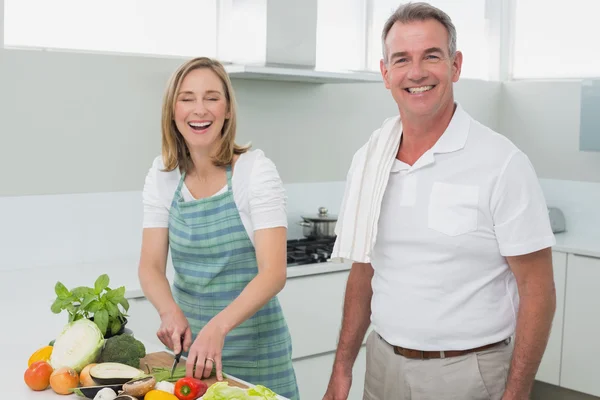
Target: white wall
81,123
542,118
79,132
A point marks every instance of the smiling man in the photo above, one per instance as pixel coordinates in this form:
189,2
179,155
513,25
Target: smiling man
448,231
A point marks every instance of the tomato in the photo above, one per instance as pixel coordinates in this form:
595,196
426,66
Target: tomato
37,376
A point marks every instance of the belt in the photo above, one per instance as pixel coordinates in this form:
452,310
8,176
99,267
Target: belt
427,355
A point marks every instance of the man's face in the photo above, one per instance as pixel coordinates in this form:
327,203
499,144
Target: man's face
419,70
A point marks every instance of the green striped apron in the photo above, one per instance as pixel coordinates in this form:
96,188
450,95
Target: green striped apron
214,260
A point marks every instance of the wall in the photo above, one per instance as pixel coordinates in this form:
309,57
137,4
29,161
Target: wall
79,132
82,123
542,118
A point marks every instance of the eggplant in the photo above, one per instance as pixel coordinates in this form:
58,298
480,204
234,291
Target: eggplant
91,391
113,373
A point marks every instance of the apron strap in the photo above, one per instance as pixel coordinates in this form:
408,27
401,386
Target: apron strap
229,174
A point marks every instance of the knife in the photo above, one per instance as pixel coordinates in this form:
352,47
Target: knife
177,357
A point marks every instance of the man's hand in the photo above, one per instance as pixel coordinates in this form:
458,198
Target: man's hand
339,386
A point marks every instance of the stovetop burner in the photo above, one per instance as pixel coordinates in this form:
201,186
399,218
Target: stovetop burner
308,251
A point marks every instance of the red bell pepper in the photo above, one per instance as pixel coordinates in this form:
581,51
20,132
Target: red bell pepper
189,388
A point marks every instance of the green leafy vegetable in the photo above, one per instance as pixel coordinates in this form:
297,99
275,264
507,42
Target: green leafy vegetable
107,307
78,345
222,391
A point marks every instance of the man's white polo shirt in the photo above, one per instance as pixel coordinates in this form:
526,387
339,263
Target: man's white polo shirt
441,279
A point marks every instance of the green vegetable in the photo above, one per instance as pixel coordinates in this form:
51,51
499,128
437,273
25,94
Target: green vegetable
222,391
106,306
263,391
78,345
164,374
124,349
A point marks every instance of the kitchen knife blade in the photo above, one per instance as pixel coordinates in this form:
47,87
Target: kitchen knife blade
175,362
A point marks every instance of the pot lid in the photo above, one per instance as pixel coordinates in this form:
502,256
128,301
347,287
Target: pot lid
322,216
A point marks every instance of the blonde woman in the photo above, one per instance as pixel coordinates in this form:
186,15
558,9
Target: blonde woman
220,209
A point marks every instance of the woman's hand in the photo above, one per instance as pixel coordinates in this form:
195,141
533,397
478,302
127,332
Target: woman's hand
174,327
206,352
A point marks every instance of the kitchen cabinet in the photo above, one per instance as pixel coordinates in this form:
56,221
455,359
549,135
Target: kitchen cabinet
313,373
550,366
313,306
580,368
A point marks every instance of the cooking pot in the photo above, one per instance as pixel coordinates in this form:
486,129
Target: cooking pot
320,226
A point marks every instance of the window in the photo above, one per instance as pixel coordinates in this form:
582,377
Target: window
556,39
157,27
341,38
469,19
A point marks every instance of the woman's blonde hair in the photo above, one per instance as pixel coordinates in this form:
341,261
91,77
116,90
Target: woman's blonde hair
175,152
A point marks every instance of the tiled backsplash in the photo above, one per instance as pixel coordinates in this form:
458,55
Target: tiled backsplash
58,230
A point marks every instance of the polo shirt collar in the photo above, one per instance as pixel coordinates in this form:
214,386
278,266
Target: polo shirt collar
453,139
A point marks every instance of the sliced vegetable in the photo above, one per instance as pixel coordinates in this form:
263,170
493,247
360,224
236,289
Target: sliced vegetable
113,373
42,354
164,374
189,388
105,394
91,391
78,345
139,387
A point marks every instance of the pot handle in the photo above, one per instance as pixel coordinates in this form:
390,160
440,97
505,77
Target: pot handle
304,223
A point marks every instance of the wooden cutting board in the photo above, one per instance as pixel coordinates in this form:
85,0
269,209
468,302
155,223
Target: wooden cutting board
165,360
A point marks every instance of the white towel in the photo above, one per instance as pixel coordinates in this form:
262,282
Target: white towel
356,227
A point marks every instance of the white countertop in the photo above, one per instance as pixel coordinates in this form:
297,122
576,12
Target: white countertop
584,244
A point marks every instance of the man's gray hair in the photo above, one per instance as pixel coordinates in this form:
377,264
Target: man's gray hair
421,11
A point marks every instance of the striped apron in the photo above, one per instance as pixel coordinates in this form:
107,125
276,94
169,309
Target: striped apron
214,260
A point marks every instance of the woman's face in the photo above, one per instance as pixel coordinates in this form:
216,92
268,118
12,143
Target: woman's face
201,109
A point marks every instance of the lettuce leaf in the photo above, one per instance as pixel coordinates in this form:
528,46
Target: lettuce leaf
262,392
222,391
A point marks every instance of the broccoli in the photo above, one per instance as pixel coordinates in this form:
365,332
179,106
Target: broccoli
124,349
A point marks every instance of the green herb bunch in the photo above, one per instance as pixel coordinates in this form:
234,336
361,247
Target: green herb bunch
105,306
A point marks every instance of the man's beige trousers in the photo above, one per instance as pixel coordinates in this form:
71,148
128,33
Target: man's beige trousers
475,376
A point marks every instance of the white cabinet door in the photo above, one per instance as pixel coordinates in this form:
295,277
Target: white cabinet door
313,373
313,307
143,320
549,370
581,338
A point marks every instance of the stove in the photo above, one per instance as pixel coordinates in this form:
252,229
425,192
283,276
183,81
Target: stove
308,251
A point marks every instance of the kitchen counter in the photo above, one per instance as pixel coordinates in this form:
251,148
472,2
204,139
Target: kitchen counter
583,244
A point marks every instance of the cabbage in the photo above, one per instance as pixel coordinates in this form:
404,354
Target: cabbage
222,391
78,345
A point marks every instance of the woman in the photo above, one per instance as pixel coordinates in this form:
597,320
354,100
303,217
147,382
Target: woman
220,209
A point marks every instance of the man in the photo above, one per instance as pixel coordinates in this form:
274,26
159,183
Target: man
458,285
